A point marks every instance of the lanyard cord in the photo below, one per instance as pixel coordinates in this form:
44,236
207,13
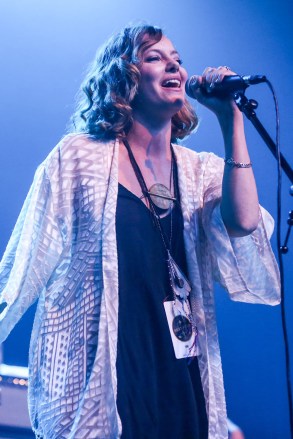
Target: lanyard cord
146,193
178,281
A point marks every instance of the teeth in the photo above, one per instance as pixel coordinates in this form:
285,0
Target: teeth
171,83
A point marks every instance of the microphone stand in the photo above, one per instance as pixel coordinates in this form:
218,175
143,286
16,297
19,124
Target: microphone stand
248,107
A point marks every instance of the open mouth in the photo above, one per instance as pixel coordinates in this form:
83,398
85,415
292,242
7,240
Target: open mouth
171,83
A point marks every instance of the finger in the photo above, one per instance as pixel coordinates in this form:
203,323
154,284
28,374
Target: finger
207,70
208,78
226,71
207,74
212,76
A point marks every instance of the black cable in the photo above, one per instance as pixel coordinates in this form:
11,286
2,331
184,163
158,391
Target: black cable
280,258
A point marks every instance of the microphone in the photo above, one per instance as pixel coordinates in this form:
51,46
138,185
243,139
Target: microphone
229,85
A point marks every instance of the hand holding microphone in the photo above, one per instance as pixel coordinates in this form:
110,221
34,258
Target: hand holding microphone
219,82
215,89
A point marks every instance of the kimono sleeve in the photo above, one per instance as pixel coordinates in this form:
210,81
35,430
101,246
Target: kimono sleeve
244,266
31,254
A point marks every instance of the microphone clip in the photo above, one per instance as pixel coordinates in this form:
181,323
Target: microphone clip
247,106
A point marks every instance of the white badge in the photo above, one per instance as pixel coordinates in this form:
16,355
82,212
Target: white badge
183,333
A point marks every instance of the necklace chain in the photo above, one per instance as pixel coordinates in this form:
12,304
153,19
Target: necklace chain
147,195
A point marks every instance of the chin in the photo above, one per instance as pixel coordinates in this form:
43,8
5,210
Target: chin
176,105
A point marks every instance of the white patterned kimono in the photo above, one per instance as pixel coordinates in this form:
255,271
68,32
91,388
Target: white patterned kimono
63,253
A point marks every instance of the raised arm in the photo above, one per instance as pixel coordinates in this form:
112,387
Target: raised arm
239,205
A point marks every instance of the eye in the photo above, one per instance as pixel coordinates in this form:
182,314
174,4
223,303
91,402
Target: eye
152,58
180,62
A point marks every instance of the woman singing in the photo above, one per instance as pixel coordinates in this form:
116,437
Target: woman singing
120,239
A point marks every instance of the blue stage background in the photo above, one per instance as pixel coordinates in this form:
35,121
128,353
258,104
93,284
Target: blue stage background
45,48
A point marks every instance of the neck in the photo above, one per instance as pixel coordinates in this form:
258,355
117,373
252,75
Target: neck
150,140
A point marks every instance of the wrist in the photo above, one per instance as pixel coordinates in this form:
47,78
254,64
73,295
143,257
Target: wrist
230,116
232,127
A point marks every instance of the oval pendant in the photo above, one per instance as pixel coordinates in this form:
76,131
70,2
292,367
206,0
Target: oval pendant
161,196
182,328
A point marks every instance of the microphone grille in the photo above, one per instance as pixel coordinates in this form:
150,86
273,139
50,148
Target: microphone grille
191,83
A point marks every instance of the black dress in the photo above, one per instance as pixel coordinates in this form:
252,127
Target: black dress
159,396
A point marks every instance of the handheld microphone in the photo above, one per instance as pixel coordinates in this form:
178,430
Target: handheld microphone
229,85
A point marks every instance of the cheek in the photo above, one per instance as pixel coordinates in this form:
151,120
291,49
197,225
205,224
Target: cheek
148,85
184,75
148,79
150,74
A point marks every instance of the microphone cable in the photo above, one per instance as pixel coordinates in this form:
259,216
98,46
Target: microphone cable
280,259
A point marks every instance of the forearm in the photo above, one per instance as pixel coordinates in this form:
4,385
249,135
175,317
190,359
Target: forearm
239,206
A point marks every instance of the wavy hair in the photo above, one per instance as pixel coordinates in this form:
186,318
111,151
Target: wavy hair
103,107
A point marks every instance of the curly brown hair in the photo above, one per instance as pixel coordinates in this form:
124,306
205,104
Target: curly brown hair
104,101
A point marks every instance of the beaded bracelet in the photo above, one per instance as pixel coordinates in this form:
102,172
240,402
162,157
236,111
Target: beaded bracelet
231,162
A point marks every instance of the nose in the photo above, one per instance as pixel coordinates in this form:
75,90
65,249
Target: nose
172,66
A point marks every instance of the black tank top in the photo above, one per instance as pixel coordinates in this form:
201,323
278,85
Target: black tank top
159,396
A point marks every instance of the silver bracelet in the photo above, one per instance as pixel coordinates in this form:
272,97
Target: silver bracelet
231,162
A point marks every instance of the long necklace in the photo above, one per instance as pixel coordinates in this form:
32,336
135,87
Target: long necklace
183,325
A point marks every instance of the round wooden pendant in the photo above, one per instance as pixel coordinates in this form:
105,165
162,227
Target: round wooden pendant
161,196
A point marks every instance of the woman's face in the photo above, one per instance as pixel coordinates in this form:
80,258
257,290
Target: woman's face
162,83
